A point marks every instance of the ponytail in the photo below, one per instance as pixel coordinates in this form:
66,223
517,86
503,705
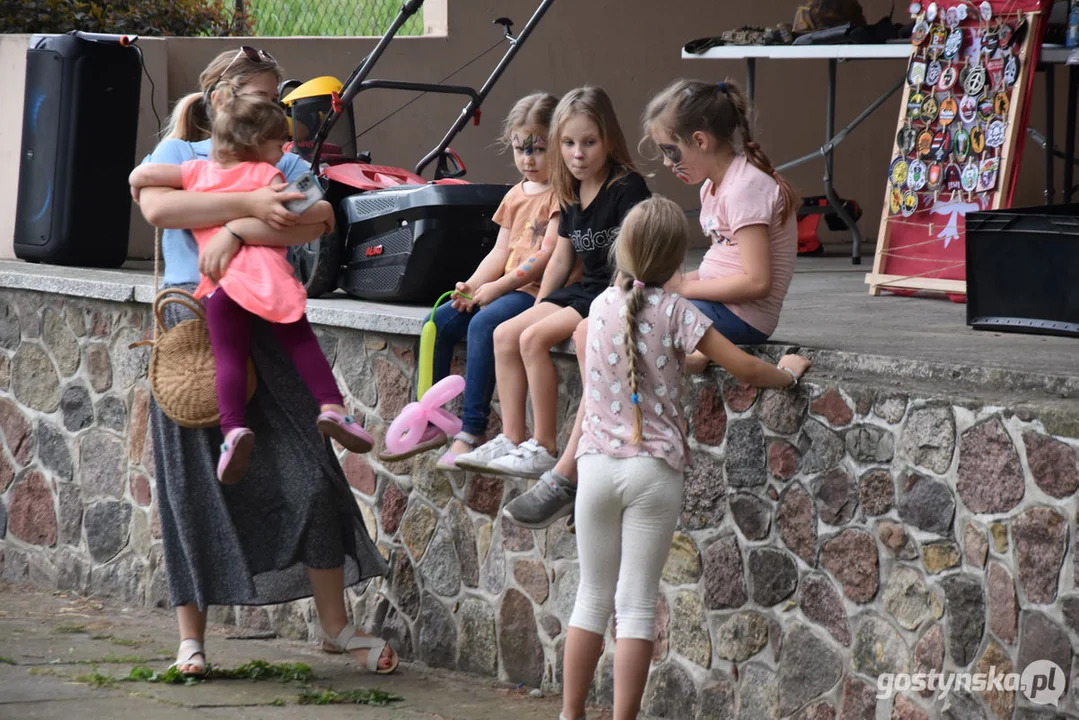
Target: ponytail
190,119
752,149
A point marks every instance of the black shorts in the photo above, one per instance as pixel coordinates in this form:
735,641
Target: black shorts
578,296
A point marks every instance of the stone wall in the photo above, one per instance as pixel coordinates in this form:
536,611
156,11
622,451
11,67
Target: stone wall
829,534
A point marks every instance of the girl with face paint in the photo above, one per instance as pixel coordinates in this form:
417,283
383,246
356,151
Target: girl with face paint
596,182
704,134
506,282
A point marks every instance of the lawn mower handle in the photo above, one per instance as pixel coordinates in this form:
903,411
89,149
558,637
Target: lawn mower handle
354,84
474,104
358,82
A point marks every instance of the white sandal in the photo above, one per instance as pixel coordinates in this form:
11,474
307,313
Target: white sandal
188,655
347,640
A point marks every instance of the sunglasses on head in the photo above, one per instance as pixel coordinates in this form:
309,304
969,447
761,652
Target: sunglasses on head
253,54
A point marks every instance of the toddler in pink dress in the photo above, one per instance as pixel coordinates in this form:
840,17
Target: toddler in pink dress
248,134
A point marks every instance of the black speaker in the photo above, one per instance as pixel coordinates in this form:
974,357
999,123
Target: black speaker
80,124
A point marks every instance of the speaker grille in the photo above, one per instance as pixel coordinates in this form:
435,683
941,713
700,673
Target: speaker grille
40,147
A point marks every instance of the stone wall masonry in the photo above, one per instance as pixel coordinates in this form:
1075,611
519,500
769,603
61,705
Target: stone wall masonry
829,534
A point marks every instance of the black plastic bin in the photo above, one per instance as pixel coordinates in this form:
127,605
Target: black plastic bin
1023,270
412,243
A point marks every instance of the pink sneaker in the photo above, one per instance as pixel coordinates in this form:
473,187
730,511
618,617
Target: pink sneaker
345,430
235,454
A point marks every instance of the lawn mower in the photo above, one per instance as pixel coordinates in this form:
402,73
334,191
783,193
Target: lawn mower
399,238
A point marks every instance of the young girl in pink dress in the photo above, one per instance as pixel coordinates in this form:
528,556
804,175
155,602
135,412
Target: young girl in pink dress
248,134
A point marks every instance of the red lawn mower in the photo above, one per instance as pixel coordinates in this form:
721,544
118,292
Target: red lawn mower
399,238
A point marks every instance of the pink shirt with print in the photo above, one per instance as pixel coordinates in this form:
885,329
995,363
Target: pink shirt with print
745,197
668,329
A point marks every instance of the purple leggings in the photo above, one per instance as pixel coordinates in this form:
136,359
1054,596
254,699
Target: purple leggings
230,338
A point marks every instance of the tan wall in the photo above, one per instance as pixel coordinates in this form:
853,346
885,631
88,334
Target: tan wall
621,45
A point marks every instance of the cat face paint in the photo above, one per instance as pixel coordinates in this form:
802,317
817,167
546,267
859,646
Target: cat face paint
674,159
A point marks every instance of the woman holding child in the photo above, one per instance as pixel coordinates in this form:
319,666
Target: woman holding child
291,529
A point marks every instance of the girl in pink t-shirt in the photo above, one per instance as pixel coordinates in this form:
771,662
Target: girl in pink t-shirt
248,133
747,209
633,452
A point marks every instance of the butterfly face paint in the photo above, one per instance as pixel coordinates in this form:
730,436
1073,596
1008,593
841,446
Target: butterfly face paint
530,155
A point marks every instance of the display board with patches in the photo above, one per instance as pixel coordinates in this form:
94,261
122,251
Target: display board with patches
959,138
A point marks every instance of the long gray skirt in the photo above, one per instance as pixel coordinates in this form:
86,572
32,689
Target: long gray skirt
250,543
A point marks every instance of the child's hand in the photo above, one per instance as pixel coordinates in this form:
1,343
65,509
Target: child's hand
487,294
268,205
795,363
460,304
215,256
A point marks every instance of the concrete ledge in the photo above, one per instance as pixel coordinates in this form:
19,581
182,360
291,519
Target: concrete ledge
977,381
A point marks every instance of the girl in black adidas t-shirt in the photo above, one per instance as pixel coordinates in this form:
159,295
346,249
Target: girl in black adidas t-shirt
596,183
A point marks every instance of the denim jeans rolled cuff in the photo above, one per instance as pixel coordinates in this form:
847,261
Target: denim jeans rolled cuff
729,325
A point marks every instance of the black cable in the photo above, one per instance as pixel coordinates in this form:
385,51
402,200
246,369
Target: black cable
153,105
372,127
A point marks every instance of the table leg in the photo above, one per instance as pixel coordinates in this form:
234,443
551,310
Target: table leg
1050,110
1069,140
751,78
829,191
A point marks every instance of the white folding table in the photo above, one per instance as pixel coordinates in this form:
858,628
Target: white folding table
1050,55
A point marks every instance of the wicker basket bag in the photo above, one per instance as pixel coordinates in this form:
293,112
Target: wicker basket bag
182,372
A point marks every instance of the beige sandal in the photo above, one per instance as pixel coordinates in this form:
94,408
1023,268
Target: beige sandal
189,653
347,640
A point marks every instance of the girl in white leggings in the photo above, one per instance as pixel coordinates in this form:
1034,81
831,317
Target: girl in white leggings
633,448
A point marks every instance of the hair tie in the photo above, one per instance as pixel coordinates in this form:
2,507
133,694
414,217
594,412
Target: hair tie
638,284
635,399
722,86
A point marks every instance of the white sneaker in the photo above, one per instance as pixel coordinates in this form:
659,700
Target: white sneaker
479,460
528,460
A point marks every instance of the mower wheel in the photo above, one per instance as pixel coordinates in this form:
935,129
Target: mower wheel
317,264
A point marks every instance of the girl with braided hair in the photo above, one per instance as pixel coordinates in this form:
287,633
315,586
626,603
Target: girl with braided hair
704,132
633,451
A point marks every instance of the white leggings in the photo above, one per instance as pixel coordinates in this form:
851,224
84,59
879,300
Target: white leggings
626,512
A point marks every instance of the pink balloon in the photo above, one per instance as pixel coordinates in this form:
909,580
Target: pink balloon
407,429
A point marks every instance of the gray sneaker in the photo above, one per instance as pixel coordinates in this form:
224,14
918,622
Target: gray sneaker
549,499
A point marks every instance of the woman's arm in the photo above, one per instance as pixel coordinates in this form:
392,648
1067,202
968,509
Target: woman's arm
171,208
753,283
558,267
749,368
156,175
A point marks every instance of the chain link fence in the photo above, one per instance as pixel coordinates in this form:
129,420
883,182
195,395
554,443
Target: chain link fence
282,18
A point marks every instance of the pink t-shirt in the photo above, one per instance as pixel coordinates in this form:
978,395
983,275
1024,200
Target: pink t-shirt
259,279
748,197
668,329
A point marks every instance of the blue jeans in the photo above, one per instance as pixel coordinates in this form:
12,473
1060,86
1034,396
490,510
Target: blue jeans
478,330
729,325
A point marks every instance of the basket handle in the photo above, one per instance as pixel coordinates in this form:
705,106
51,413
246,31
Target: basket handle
177,296
166,297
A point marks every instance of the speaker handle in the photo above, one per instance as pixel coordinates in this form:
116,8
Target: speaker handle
122,40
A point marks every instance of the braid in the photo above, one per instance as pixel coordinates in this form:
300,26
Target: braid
634,302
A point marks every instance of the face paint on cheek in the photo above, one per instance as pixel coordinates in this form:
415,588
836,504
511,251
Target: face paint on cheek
672,153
